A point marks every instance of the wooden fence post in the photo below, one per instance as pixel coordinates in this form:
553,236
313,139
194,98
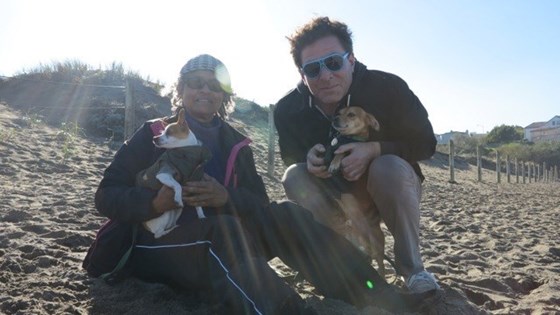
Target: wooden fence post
507,169
129,111
523,170
544,172
556,175
498,167
271,142
529,172
535,171
451,162
516,171
478,163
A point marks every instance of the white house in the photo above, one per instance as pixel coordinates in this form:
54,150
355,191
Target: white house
543,131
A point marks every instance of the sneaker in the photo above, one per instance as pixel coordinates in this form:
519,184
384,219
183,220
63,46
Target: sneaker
422,282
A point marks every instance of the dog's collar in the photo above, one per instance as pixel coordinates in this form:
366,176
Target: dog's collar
339,139
357,138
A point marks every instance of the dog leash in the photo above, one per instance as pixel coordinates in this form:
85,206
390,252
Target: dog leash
112,276
231,160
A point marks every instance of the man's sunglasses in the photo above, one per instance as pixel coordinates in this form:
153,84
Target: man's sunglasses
198,83
332,62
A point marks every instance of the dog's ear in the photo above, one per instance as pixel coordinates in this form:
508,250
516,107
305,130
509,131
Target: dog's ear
181,116
372,122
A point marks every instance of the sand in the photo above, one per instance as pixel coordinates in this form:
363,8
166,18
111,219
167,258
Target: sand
494,247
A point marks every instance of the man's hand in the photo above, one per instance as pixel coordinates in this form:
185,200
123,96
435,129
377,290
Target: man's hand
205,193
360,155
316,163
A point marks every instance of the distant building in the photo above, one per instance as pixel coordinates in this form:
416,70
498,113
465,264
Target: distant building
543,131
452,135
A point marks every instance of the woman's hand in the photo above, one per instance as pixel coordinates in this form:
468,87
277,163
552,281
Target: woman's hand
164,200
205,193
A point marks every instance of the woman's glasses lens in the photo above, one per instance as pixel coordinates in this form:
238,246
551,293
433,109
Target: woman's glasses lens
198,84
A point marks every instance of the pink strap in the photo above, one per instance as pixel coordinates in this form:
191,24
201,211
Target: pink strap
157,127
231,160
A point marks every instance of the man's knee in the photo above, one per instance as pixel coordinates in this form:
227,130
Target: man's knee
293,173
295,179
390,170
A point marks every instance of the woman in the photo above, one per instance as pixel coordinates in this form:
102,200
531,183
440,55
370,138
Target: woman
225,255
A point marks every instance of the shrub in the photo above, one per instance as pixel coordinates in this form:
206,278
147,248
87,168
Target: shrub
504,134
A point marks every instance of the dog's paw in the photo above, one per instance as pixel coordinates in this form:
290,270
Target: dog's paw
333,169
178,201
200,213
335,166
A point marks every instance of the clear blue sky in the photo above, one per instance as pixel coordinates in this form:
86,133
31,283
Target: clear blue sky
475,64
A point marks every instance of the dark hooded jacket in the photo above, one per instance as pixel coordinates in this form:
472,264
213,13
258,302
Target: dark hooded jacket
405,130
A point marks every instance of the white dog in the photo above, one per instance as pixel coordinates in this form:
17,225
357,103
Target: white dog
182,161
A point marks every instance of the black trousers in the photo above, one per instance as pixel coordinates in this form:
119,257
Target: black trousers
224,258
331,263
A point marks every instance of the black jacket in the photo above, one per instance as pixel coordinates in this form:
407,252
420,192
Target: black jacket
118,198
405,128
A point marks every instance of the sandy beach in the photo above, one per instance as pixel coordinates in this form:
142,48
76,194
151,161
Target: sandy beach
495,248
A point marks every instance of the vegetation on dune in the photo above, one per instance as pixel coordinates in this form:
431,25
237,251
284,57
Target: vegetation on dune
74,92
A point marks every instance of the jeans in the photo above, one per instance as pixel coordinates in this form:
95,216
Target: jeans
391,188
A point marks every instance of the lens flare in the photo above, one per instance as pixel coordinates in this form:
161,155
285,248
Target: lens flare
222,75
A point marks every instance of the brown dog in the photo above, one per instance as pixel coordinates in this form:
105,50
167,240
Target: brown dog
354,124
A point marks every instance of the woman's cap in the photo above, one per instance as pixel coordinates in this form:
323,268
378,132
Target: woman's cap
209,63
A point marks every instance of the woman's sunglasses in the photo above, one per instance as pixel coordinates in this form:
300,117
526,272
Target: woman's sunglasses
198,83
332,62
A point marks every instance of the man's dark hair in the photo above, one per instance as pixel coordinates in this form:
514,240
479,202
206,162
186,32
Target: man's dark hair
316,29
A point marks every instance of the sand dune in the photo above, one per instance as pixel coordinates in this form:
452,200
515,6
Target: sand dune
494,247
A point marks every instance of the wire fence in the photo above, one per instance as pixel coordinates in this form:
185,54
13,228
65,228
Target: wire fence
513,170
507,169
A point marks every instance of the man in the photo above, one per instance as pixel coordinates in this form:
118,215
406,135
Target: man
382,175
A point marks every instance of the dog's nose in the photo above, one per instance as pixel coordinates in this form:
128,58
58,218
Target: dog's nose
336,121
